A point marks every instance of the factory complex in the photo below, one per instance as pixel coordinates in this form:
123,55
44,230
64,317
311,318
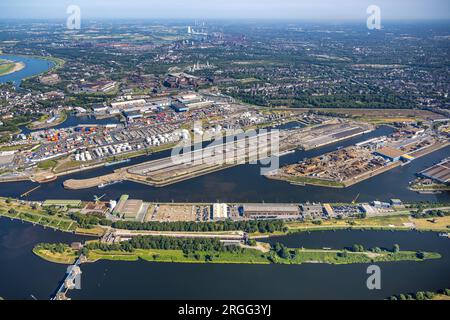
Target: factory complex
128,209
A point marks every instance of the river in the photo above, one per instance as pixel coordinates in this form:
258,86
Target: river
23,274
33,67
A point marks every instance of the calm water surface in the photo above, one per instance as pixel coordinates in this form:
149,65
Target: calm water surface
33,66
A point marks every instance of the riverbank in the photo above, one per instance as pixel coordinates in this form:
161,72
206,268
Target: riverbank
15,210
10,67
243,256
57,63
43,123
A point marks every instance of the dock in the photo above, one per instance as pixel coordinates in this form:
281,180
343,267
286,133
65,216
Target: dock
26,194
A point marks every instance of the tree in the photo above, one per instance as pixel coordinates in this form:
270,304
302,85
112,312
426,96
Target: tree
396,248
284,253
357,248
420,295
429,295
420,255
84,251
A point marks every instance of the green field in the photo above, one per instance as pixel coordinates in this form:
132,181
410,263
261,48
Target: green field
6,68
313,181
25,213
47,164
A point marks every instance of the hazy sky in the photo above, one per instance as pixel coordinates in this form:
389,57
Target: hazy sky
239,9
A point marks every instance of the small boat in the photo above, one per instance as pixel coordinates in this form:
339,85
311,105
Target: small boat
301,184
104,185
444,235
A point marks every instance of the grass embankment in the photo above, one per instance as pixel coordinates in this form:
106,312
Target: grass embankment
66,256
345,257
314,182
400,222
432,187
47,164
245,256
17,147
17,211
58,221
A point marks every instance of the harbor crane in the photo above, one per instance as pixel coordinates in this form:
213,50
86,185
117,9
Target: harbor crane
356,198
97,198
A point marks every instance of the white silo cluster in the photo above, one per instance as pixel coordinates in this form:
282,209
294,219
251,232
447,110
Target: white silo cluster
160,139
106,151
83,156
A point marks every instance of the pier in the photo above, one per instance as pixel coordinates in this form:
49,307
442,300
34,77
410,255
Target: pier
26,194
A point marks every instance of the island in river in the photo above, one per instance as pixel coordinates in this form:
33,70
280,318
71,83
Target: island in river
207,250
8,67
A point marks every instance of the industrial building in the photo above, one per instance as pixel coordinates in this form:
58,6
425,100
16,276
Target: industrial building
368,209
329,211
179,107
128,209
390,153
220,211
439,172
396,202
311,210
274,211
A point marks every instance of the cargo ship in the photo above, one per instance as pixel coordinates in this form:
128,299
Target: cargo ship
104,185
